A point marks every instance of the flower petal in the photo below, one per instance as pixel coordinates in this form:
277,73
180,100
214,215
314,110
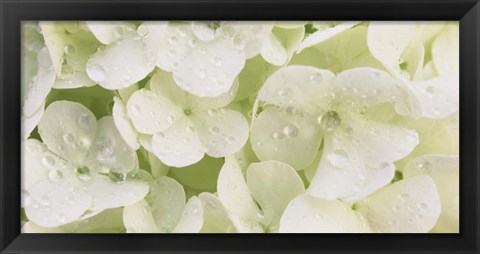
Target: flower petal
273,184
179,145
444,170
273,51
283,136
304,87
234,194
40,164
179,43
438,97
192,217
138,218
36,95
222,132
167,199
56,203
151,113
124,125
31,227
445,51
210,69
248,36
29,123
79,79
163,84
306,214
216,219
108,194
108,32
121,63
387,41
68,129
408,206
325,34
109,152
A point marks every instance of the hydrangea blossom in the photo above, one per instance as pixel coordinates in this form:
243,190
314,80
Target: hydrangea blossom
79,170
240,127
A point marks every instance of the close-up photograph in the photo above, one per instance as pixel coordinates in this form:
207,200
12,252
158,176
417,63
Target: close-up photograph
198,132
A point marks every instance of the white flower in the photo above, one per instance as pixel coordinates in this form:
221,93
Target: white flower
444,170
358,154
79,170
179,128
408,206
164,210
270,184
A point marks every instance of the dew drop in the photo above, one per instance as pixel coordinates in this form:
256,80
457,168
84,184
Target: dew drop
117,177
83,173
194,209
48,161
25,198
431,90
212,112
277,135
44,200
193,43
69,49
203,50
214,130
425,167
201,73
338,158
290,130
285,93
96,72
84,121
217,61
423,206
189,129
142,30
239,42
173,41
316,77
55,176
231,139
170,119
260,214
68,138
375,74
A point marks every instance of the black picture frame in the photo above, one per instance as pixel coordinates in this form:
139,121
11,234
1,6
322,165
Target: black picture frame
14,11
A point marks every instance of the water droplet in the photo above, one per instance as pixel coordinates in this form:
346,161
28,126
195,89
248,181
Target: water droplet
105,150
338,158
290,130
117,177
431,89
384,165
194,209
361,176
142,30
217,61
290,110
201,73
173,41
96,72
404,196
119,31
83,173
423,206
44,200
212,112
329,121
231,139
48,162
285,92
43,58
203,50
68,137
277,135
239,42
260,214
316,77
84,121
25,198
375,74
396,209
193,44
69,49
214,130
55,176
189,129
425,167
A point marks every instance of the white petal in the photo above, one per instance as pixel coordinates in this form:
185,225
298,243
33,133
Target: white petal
29,123
360,87
234,194
151,113
108,221
109,152
138,218
387,41
192,217
375,179
273,184
203,31
325,34
248,36
216,219
68,129
153,32
123,124
446,51
108,32
303,87
273,51
306,214
222,132
409,206
163,84
80,79
40,164
108,194
438,97
210,69
56,203
288,137
178,43
121,64
444,170
157,167
54,35
167,198
36,95
179,145
414,58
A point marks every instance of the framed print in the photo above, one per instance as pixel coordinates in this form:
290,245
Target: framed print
189,126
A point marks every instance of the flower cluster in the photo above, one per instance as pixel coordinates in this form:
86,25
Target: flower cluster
240,127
